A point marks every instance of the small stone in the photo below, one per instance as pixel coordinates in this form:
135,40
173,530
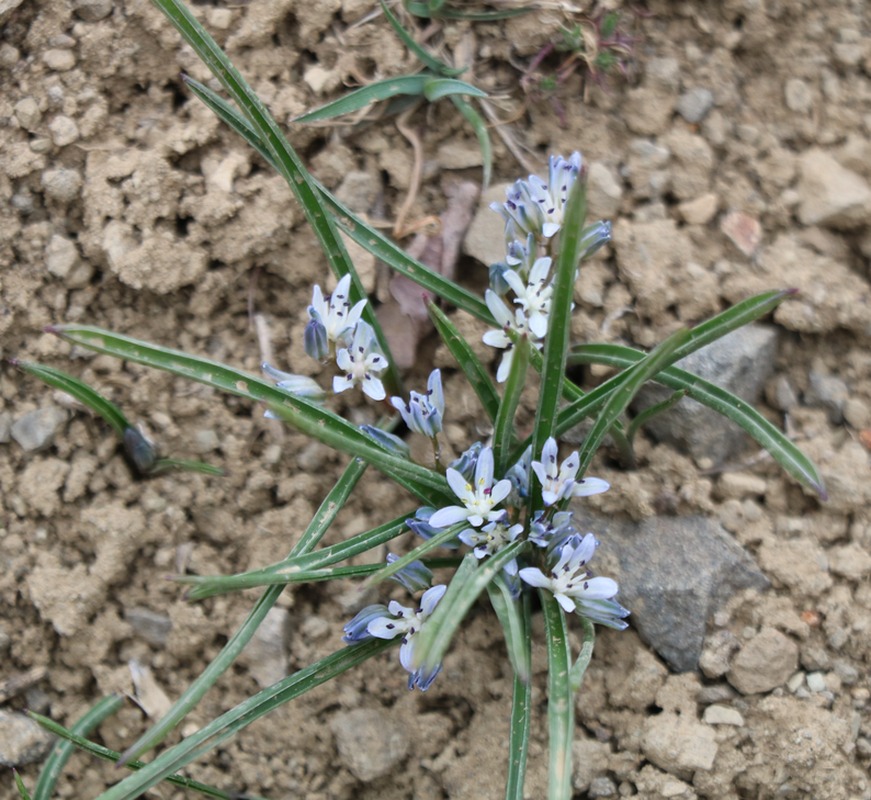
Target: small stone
678,744
485,238
722,715
358,191
61,256
602,787
851,561
816,682
764,663
604,192
699,211
856,413
63,130
9,55
92,10
319,79
36,430
22,741
798,95
220,18
370,742
59,60
27,113
150,625
695,104
829,392
741,485
830,194
743,231
62,184
207,441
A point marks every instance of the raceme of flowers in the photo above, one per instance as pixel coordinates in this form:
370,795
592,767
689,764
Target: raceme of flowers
492,511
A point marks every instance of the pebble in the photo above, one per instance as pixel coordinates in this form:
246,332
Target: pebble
829,392
5,426
856,413
767,661
602,786
22,741
61,256
816,681
92,10
59,60
700,210
371,742
9,55
678,744
798,95
27,113
695,104
722,715
743,231
62,184
36,429
63,130
831,195
850,561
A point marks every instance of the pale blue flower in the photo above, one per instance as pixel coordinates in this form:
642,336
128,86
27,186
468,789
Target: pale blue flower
331,320
361,363
415,576
552,532
559,484
299,385
594,237
572,583
479,498
499,337
387,441
423,413
492,538
518,474
407,622
535,207
533,294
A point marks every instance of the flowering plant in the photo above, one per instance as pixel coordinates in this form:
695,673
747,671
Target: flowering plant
500,509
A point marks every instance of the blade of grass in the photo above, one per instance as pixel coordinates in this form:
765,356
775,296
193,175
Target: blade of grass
618,401
441,538
655,410
106,754
521,712
306,416
19,785
424,56
62,751
504,428
579,668
513,616
478,377
284,159
560,708
790,457
314,532
230,723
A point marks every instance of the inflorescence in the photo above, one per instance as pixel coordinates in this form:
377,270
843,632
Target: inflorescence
492,512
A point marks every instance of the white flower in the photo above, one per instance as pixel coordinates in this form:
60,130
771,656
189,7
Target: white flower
559,484
533,295
407,622
331,319
300,385
499,338
491,539
569,579
361,362
478,500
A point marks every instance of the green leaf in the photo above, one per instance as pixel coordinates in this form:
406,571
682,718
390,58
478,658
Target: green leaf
477,376
61,752
426,11
619,399
441,538
424,56
470,579
560,706
513,614
579,668
655,410
19,784
111,755
314,532
521,700
504,429
790,457
306,416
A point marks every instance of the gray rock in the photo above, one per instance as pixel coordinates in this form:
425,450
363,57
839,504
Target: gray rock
602,787
678,744
92,10
829,392
370,741
62,184
695,104
36,430
674,574
764,663
797,95
830,194
5,426
150,625
741,363
22,741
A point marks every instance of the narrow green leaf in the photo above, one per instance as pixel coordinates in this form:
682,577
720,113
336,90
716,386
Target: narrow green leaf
504,429
306,416
482,133
618,402
521,716
655,410
366,95
790,457
106,754
424,56
80,391
61,752
441,538
425,11
436,88
314,532
19,784
579,668
513,616
230,723
560,708
470,579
